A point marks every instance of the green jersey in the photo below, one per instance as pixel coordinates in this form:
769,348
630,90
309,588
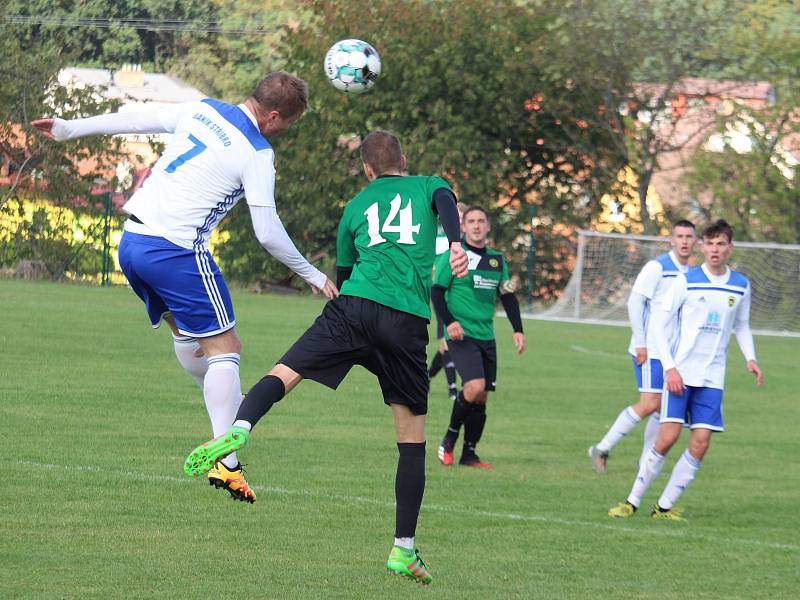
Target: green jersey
471,299
387,234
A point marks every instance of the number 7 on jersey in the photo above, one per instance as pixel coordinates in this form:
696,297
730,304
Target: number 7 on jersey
188,155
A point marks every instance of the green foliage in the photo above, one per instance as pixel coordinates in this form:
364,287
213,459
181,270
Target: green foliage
757,190
752,190
456,81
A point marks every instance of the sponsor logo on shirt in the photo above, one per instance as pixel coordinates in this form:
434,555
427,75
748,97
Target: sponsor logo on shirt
482,283
712,324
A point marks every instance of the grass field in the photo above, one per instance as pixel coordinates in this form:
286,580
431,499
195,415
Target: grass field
97,418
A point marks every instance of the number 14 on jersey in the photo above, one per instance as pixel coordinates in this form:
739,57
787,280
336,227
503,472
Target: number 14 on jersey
404,224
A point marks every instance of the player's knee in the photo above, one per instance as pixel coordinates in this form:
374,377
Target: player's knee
473,390
698,446
648,404
667,436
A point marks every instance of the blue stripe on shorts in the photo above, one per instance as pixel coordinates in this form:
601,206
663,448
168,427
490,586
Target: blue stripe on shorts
649,375
184,282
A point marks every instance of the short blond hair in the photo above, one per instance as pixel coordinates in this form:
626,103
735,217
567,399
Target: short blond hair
282,92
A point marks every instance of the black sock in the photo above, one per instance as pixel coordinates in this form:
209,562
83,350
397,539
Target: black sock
473,427
436,365
450,372
409,486
260,399
459,412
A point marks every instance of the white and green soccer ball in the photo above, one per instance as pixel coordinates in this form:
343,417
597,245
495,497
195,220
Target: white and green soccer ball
352,66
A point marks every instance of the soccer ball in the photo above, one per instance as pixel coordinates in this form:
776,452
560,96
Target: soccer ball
352,66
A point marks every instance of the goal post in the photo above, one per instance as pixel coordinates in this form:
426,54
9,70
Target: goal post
606,265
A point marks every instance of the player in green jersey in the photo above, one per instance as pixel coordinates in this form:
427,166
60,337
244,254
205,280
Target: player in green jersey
385,252
467,304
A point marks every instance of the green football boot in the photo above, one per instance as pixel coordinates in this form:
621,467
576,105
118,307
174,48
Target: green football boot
407,563
204,457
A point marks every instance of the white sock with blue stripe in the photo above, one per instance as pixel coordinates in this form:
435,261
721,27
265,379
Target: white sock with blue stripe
626,421
648,471
650,433
682,475
186,351
222,390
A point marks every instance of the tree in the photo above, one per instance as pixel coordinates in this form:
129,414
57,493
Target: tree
457,85
634,55
35,167
750,177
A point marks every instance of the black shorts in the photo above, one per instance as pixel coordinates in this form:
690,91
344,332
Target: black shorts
475,359
355,331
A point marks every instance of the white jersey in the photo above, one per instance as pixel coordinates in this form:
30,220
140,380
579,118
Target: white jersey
653,281
217,155
708,307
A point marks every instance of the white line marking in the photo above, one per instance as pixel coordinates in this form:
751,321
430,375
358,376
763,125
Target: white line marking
688,534
583,350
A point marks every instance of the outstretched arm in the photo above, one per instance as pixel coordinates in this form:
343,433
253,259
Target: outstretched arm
157,121
271,234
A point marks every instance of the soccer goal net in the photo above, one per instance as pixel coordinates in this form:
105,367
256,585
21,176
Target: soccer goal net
607,264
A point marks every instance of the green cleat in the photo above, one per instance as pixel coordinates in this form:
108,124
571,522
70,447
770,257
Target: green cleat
623,510
407,563
204,457
672,514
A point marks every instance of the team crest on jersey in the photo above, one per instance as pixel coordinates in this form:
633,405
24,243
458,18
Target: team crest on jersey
493,262
731,301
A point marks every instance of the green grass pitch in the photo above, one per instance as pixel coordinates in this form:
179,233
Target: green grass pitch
97,418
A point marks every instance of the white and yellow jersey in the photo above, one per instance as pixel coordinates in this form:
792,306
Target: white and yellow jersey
708,308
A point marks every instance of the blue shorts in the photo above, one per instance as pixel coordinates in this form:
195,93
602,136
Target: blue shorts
649,375
171,279
699,407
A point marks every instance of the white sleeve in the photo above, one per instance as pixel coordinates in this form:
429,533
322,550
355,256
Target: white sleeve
258,178
673,299
636,307
744,337
164,120
647,279
271,234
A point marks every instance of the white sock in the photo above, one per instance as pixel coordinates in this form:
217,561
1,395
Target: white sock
407,543
648,471
222,391
196,366
682,475
626,421
243,424
650,434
